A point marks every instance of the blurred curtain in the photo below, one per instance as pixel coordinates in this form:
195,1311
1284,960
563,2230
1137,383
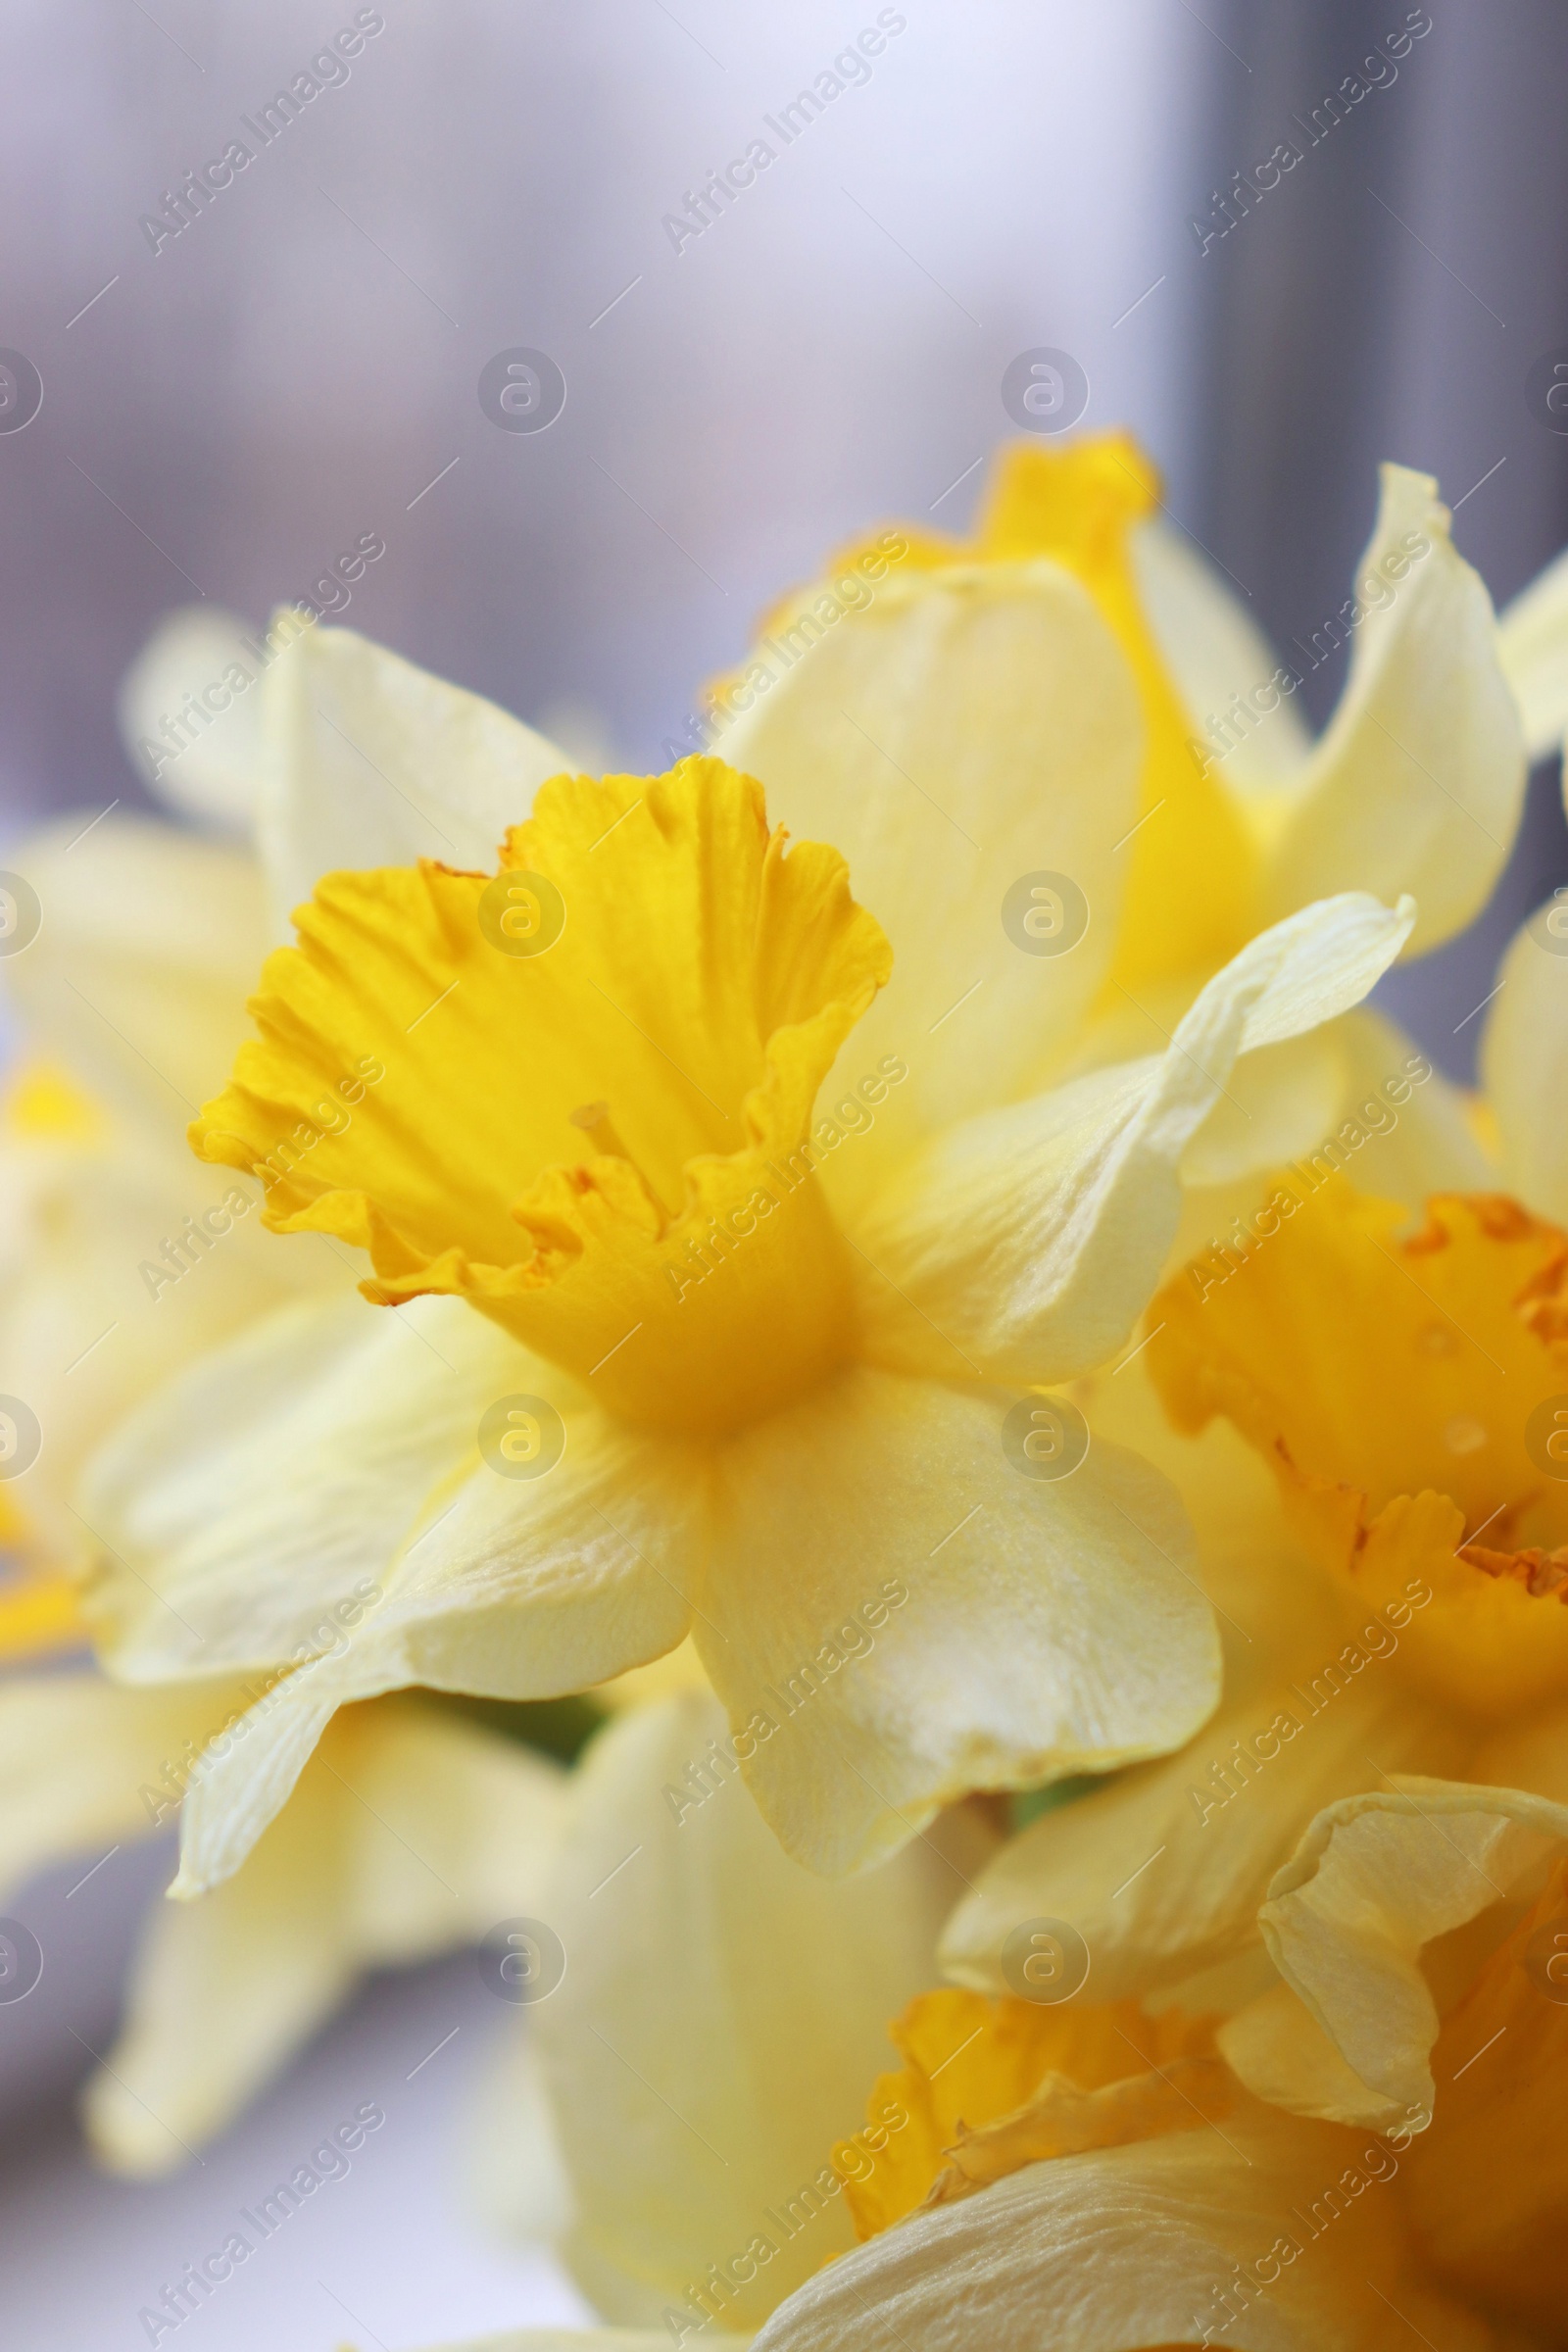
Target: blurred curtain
1387,300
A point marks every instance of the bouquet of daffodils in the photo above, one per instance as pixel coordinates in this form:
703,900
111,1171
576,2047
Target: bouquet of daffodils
848,1404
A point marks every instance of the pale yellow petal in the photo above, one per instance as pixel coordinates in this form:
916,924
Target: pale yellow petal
587,2339
721,2016
1163,1872
259,1488
1376,1878
523,1587
1418,782
84,1764
1524,1062
968,729
373,761
918,1617
148,941
120,1261
1194,2238
190,715
410,1832
1215,652
1026,1242
1533,639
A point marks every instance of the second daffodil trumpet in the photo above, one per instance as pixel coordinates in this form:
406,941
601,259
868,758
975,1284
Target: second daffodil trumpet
701,1352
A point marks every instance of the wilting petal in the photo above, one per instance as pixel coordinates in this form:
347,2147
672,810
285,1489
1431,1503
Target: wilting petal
1532,641
722,2015
148,943
376,762
1184,2240
1524,1062
1417,783
968,729
410,1832
1376,1878
918,1619
1026,1242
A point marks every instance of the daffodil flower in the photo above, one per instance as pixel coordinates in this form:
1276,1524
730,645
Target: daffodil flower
751,1400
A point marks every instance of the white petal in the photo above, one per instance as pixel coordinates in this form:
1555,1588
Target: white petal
376,762
210,766
721,2020
1533,632
1418,782
969,728
919,1619
1026,1242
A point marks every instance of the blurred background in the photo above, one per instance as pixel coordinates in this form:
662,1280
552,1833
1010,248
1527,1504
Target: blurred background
299,369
